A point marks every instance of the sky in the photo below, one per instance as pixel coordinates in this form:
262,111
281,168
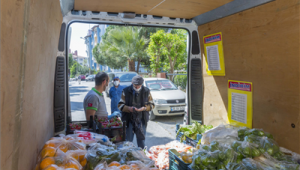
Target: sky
76,43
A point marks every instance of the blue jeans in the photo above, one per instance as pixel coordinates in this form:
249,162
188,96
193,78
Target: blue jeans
130,134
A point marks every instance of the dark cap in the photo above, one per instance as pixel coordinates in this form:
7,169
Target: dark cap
137,80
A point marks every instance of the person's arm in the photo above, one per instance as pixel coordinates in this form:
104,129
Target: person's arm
150,104
89,113
148,107
91,106
122,107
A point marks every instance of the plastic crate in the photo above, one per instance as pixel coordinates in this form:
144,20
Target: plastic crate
89,126
193,142
178,137
111,132
175,163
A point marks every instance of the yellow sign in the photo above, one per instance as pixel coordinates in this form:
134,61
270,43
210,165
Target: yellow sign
240,103
213,50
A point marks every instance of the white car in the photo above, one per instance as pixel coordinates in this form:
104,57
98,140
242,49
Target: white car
168,99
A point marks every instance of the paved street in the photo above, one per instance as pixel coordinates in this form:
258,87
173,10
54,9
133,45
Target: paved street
160,131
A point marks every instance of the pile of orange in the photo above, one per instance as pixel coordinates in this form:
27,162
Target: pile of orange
62,153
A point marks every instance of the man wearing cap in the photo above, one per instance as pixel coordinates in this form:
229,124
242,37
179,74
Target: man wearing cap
135,104
115,93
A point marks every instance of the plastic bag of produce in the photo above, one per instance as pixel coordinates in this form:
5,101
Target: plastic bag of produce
79,155
65,145
243,132
90,137
267,161
270,146
97,153
50,156
138,165
208,160
220,133
246,149
294,156
245,164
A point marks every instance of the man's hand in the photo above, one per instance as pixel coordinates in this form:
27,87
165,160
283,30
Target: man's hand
130,109
140,109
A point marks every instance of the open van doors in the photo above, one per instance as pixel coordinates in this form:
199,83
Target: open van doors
194,84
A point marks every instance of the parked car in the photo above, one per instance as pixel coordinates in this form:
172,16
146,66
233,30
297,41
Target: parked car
169,100
125,79
82,77
90,78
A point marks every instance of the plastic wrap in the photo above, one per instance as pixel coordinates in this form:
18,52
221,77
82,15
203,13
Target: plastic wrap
294,156
59,159
65,145
220,133
270,146
160,153
246,149
243,132
97,153
268,162
79,155
245,164
90,137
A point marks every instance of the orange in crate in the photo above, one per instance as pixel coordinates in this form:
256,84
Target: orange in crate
46,162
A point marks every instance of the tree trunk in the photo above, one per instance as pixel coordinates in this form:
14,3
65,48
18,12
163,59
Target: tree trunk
131,65
138,66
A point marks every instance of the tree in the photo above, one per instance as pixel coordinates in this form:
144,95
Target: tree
168,50
71,61
75,69
155,50
120,45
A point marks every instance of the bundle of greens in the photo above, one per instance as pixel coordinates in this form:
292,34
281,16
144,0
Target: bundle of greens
191,131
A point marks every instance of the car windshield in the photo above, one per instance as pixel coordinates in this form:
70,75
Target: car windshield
160,85
125,76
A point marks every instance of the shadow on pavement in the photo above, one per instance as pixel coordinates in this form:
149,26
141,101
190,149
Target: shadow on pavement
76,106
152,140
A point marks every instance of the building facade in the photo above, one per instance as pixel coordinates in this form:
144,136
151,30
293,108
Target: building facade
82,60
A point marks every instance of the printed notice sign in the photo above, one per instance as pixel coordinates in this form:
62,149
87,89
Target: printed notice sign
240,103
213,49
213,59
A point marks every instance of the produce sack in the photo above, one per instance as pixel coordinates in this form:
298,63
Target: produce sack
208,160
97,153
270,146
91,137
220,132
243,132
137,154
268,162
59,159
245,164
138,165
78,155
292,155
65,145
246,149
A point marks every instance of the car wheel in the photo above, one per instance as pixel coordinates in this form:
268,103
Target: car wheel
151,115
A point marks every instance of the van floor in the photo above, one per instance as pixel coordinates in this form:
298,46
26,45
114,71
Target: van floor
159,132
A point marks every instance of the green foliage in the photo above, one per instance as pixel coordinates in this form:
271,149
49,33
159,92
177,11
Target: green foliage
119,45
71,61
180,80
74,69
168,50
